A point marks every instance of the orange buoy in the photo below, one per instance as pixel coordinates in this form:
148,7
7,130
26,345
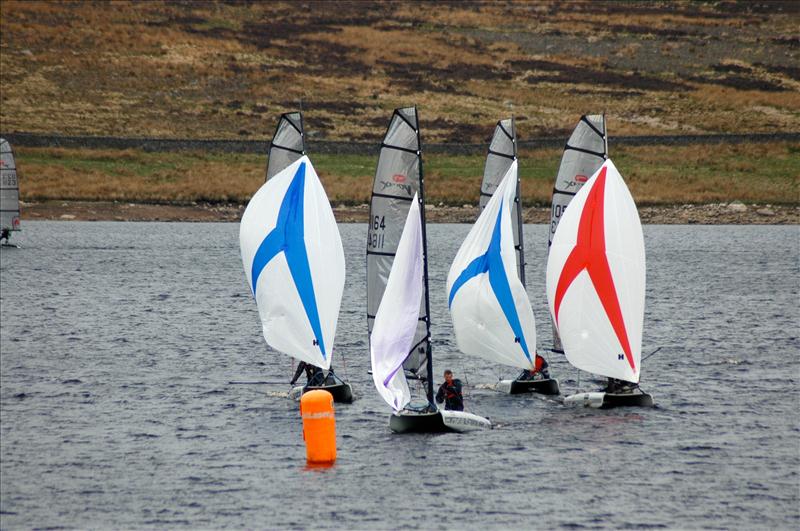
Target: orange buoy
319,426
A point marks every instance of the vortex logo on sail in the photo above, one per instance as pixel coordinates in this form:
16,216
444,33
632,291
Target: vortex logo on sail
397,184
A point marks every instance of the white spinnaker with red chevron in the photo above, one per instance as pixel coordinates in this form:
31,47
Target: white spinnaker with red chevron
596,278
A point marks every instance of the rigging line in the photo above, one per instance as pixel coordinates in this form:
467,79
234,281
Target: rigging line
299,152
587,151
407,150
421,319
596,130
259,382
498,154
388,196
651,354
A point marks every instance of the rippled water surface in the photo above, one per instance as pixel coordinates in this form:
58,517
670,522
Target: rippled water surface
119,340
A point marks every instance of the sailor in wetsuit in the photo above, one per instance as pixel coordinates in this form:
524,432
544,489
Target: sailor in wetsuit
616,386
540,370
450,393
314,375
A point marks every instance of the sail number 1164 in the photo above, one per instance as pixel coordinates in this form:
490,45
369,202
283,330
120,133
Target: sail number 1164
374,238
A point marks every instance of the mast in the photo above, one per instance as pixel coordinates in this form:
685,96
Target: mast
425,259
518,200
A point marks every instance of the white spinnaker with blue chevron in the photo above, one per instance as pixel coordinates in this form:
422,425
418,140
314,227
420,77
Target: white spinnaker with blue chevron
395,323
294,263
492,316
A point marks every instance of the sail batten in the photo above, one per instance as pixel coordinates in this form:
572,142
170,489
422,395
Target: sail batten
584,153
398,180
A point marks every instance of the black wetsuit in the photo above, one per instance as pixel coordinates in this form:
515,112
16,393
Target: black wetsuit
314,375
451,396
619,386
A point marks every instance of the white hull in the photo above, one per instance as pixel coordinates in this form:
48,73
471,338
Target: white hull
593,400
462,421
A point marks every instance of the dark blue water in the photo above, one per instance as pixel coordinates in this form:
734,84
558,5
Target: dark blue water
119,339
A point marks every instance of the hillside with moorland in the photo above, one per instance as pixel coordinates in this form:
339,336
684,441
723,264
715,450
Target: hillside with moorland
226,70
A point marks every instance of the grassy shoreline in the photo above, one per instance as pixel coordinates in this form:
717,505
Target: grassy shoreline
657,175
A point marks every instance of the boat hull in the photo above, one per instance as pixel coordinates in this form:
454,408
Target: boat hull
600,400
517,387
342,392
437,422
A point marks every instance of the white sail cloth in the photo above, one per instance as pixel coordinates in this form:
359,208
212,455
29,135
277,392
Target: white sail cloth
395,322
294,262
596,278
492,316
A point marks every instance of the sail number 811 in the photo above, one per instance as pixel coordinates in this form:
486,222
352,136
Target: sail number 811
375,239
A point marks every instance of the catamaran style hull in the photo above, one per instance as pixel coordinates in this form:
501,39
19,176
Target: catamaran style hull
437,422
599,400
517,387
342,392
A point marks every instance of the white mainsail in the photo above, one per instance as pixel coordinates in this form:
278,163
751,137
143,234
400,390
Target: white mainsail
596,278
584,153
492,316
288,143
294,262
395,324
9,189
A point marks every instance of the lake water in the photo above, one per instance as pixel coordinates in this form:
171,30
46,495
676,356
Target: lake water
119,340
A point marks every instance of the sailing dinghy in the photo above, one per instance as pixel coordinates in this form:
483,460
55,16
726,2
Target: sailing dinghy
585,151
294,263
9,194
492,316
397,286
596,288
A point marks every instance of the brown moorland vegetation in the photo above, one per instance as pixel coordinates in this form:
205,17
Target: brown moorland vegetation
227,69
656,175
